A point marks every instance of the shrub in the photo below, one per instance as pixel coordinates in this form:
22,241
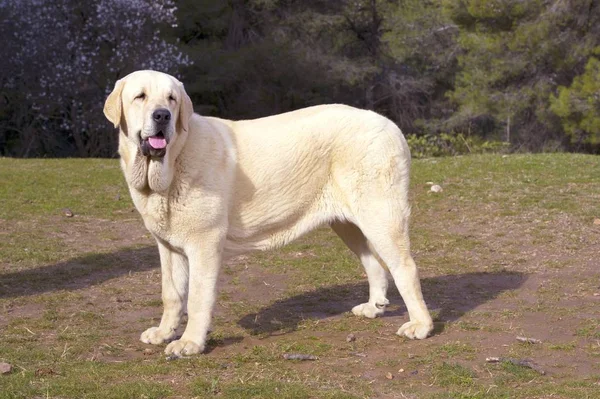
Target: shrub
445,144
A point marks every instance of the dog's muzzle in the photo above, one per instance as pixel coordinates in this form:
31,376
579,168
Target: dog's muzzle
156,146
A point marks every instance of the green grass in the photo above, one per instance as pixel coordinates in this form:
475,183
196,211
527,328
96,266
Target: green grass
589,328
508,248
552,183
43,187
453,375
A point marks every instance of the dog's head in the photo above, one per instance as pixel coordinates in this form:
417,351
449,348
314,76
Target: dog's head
151,108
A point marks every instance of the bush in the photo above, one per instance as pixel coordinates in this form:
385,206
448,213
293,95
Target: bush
578,106
445,144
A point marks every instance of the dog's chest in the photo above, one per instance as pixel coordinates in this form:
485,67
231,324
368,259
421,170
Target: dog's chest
168,219
156,211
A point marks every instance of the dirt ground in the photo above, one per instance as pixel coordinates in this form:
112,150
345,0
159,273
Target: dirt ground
478,314
488,276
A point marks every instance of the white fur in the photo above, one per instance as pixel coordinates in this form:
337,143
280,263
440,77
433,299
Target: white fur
228,187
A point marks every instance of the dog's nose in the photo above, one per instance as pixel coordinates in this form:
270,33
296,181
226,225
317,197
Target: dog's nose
161,115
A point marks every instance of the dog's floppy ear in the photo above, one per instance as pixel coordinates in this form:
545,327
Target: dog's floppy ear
113,105
186,109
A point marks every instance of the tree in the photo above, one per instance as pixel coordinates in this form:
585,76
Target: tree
578,106
258,57
63,58
514,56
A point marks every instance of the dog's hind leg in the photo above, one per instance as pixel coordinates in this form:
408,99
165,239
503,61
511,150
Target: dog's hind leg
389,238
376,273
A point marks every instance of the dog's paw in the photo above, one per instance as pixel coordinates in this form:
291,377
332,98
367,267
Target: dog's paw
183,347
370,310
415,330
156,336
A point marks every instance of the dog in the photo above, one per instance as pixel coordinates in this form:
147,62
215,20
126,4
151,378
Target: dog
209,188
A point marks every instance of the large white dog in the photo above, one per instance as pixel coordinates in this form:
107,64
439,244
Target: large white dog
210,188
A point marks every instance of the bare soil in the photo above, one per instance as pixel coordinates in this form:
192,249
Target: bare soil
522,287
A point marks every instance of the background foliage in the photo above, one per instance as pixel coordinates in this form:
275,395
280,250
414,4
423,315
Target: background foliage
521,72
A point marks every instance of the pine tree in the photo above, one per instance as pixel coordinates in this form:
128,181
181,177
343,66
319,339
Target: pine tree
514,56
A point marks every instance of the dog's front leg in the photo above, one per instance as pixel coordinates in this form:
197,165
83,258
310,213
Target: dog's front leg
174,274
204,265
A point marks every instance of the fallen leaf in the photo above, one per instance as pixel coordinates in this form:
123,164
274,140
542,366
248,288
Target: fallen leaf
44,371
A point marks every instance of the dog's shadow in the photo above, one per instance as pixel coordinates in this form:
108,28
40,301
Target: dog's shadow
450,296
78,273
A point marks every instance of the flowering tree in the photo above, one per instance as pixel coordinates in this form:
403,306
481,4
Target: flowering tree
62,57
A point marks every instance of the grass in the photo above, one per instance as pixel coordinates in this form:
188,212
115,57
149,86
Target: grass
88,187
448,375
589,328
508,248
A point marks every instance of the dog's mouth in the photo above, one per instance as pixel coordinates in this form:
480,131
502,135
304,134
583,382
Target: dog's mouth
154,146
158,141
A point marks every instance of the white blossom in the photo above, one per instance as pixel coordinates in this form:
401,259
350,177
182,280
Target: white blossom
65,56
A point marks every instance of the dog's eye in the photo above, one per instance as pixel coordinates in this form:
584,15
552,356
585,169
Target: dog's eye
171,98
140,96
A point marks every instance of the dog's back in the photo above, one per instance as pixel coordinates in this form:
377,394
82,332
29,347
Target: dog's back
311,167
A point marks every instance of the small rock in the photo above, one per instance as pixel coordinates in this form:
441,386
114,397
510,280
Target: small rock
68,213
401,371
529,340
299,356
389,376
597,222
429,183
351,338
411,355
148,351
117,197
436,188
5,368
415,372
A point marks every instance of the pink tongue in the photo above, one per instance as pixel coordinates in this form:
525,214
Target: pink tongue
157,142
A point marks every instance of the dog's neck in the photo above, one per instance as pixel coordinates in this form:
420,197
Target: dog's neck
146,174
